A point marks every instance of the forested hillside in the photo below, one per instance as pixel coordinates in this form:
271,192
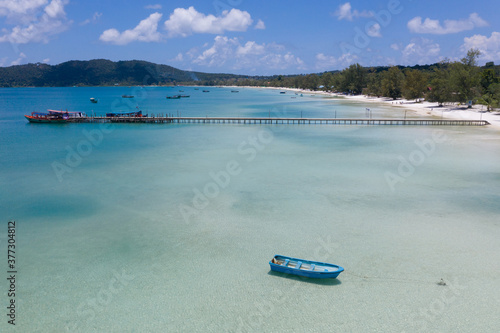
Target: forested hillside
445,82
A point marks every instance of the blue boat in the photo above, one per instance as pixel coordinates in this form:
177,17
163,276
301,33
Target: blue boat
307,268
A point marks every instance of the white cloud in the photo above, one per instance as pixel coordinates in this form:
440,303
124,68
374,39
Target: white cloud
35,20
179,57
489,46
429,26
145,31
282,61
251,56
184,22
155,7
94,18
18,60
328,62
23,7
250,48
421,51
395,47
260,25
374,30
345,12
46,60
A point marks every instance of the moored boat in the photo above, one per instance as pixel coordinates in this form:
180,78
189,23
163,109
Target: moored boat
126,114
174,97
68,114
55,116
93,100
40,117
307,268
127,96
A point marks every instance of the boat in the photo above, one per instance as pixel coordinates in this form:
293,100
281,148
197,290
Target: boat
40,117
174,97
206,90
282,92
235,91
126,115
127,96
93,100
307,268
68,114
185,96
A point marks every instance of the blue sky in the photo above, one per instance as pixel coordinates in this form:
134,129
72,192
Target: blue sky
249,37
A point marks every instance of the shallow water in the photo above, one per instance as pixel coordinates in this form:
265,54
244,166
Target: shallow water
146,227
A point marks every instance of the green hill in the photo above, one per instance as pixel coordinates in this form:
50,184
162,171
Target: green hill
100,72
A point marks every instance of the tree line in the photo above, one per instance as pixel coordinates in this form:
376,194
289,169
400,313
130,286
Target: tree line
445,82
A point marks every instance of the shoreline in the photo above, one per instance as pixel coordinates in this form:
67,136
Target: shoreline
421,109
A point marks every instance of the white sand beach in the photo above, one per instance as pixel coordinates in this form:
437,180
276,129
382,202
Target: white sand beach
424,108
451,110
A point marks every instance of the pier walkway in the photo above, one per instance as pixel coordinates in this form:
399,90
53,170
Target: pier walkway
266,120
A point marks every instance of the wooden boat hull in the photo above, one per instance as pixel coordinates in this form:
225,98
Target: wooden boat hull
32,119
306,268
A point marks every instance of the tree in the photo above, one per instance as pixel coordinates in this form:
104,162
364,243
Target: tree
440,86
491,98
415,84
488,77
310,81
373,86
327,81
392,82
355,78
465,77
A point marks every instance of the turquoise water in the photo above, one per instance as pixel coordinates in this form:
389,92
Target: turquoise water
149,227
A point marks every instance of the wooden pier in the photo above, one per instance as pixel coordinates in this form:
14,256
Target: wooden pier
266,120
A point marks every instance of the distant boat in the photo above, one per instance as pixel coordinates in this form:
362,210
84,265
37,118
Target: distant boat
174,97
185,96
206,90
93,100
126,114
127,96
307,268
282,92
235,91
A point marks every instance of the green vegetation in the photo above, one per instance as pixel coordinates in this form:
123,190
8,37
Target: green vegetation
444,82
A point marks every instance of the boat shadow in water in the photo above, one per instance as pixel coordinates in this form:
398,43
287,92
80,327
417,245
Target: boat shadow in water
323,282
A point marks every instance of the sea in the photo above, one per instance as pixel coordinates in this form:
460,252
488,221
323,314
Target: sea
170,227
